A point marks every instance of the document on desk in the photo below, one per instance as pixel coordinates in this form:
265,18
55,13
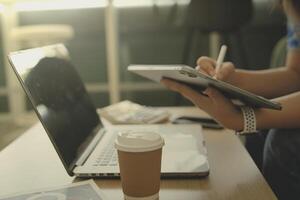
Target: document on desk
86,190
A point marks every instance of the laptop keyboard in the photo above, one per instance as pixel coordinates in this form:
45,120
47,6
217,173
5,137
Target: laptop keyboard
108,156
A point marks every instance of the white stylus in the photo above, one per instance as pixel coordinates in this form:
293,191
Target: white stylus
220,58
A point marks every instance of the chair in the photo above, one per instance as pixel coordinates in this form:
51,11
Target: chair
226,17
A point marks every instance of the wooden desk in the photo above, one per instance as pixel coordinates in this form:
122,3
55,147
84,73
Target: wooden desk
31,163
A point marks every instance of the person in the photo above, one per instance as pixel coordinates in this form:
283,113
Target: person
280,147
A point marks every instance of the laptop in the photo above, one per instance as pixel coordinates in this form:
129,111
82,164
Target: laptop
84,145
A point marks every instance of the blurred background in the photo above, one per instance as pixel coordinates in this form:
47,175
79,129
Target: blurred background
105,36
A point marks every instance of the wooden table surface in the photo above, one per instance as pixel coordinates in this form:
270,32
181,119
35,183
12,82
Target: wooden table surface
31,162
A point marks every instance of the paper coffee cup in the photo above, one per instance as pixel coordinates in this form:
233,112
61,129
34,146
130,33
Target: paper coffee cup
139,156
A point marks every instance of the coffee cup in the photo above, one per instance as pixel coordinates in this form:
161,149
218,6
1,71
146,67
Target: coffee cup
139,155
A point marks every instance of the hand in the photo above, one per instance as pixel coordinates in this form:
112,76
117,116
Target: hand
207,65
215,104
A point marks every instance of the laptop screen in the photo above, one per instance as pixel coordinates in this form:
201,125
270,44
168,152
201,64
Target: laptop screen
58,96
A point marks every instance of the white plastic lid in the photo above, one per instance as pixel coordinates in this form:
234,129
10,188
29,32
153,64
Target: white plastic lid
131,141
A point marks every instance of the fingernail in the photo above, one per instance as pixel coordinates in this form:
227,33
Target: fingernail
206,91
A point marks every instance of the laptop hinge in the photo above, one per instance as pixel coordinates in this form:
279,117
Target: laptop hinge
90,148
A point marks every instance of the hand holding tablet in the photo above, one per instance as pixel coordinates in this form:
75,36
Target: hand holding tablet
200,81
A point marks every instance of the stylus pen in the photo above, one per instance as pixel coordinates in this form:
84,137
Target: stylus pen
220,59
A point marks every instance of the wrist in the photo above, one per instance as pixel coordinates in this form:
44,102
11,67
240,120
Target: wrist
239,126
235,122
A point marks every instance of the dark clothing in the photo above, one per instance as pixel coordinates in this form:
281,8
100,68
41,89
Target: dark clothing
277,155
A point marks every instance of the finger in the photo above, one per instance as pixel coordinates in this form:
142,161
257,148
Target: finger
189,93
224,110
205,72
206,60
181,88
218,99
207,65
225,71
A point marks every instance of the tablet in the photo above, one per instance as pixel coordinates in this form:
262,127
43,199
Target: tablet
200,81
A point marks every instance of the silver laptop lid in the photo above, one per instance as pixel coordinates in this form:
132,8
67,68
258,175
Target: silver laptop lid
59,98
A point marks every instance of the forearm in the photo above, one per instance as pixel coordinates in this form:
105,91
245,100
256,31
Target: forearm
269,83
288,117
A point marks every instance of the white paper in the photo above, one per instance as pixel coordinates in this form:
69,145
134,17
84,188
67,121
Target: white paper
86,190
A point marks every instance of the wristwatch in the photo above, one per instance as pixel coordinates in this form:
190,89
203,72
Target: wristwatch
249,121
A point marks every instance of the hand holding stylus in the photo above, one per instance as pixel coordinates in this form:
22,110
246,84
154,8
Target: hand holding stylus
214,103
217,69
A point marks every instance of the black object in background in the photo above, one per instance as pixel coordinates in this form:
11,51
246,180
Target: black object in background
205,122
